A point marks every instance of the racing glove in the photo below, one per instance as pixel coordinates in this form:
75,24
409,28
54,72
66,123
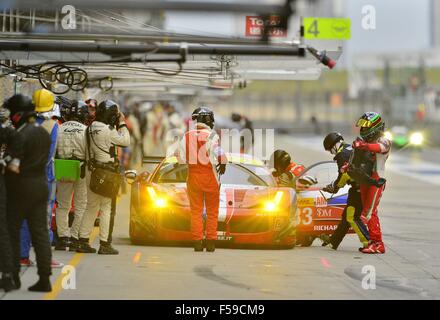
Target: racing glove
221,168
372,147
360,144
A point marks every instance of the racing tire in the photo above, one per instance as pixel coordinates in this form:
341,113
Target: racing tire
288,246
305,240
135,235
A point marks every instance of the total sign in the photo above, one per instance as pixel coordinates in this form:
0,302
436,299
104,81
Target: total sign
255,26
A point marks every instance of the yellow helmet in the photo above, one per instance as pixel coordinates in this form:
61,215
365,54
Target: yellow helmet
44,100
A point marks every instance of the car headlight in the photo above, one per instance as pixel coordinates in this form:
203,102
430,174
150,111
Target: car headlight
388,135
416,138
272,205
159,202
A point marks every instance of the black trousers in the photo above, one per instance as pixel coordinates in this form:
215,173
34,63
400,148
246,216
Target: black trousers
6,257
354,203
27,199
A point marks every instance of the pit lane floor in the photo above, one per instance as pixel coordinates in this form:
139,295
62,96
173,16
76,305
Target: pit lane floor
409,270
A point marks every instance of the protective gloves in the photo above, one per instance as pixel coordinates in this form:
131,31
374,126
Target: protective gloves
221,168
360,144
330,188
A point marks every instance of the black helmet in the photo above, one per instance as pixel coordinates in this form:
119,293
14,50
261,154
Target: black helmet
79,111
65,105
19,103
280,160
21,108
107,112
203,115
331,139
235,117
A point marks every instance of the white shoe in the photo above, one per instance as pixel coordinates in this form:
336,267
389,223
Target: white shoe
55,264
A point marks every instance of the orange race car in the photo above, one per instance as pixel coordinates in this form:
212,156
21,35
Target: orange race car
253,210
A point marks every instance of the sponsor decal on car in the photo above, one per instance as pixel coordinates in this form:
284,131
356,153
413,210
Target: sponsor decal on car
305,216
324,227
222,236
305,202
320,202
329,212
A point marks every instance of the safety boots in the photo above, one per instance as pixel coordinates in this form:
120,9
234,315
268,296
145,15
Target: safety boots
198,245
42,285
210,245
73,244
106,248
62,244
8,283
326,240
84,246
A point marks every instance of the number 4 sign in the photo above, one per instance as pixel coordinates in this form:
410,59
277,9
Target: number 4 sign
327,28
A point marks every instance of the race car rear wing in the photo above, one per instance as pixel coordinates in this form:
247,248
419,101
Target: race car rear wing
153,159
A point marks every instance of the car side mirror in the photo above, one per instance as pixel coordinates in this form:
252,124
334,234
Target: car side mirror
130,175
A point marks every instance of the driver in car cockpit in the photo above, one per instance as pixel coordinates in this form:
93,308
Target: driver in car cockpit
285,172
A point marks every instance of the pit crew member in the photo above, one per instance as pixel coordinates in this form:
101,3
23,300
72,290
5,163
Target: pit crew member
200,149
334,143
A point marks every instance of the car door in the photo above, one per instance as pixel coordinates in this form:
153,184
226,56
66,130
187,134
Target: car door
319,212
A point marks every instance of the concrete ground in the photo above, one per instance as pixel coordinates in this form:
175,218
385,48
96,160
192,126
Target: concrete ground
410,269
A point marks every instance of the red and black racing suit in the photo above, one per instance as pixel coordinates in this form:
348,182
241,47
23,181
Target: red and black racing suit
371,194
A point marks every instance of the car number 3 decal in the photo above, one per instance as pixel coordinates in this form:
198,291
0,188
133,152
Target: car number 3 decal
304,215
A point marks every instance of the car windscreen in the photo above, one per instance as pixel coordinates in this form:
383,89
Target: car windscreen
235,174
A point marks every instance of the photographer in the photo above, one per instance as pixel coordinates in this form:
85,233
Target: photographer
102,140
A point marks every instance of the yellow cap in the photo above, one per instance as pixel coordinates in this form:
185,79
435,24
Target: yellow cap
44,100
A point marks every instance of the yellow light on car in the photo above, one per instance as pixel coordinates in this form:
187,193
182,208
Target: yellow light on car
271,206
388,135
159,202
416,138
